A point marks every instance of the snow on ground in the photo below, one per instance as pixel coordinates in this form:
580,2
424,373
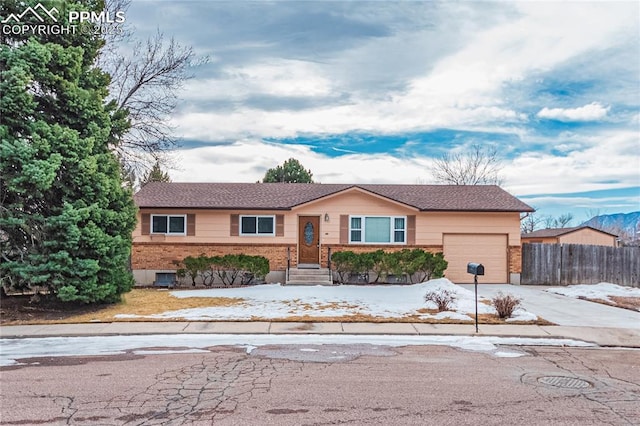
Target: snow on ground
600,291
522,315
16,349
276,301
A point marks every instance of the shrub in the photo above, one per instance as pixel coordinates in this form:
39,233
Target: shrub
227,268
442,298
433,267
253,268
379,261
345,263
193,267
408,263
505,304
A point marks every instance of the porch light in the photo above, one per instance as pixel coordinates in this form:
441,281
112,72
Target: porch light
326,217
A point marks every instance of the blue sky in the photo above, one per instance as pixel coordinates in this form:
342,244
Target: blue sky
372,92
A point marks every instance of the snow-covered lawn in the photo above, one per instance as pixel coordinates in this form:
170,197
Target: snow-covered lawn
611,294
275,301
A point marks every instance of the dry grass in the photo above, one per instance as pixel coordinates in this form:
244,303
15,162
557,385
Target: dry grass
631,303
143,302
482,319
153,301
493,319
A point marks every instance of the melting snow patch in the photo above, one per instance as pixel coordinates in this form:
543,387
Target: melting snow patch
14,349
250,349
596,291
504,354
272,301
521,315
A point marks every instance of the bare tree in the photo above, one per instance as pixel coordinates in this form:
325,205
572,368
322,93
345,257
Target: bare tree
478,166
561,221
530,222
145,83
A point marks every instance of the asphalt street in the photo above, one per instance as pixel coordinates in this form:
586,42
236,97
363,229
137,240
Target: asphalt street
200,373
324,384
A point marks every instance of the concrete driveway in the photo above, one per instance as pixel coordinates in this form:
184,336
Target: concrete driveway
563,310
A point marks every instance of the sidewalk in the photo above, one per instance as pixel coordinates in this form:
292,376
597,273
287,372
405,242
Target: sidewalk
601,336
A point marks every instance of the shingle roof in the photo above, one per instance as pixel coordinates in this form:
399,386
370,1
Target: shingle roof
556,232
285,196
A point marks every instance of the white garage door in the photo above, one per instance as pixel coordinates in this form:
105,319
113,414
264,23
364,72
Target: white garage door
488,249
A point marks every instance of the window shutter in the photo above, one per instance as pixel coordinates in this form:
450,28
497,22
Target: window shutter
191,224
279,225
411,230
344,229
145,227
235,225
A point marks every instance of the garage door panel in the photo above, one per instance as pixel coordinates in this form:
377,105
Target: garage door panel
488,249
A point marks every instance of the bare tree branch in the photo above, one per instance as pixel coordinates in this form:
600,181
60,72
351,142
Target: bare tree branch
479,166
145,82
530,222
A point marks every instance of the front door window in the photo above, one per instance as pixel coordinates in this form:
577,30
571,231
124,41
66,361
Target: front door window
308,233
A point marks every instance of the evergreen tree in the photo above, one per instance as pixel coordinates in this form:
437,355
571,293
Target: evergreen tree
291,171
156,174
65,217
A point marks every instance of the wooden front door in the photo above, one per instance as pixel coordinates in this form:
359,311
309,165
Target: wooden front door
309,239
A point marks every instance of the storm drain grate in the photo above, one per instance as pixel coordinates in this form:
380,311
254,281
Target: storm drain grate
564,382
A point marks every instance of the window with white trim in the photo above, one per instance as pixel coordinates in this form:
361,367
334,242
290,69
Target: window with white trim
258,225
378,229
169,224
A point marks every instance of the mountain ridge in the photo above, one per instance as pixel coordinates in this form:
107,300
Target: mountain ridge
626,225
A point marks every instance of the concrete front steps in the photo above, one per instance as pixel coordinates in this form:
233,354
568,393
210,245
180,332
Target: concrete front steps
309,276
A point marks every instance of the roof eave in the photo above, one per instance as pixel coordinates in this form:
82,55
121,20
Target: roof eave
215,208
474,210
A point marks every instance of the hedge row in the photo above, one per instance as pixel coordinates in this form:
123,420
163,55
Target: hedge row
417,265
227,268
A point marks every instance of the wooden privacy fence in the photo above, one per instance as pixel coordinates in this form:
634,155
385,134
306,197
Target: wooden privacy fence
565,264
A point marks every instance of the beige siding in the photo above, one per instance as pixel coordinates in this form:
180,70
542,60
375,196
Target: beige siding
588,236
350,203
431,226
489,250
214,226
545,240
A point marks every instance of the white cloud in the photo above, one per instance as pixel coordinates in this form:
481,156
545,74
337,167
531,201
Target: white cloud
460,88
591,112
278,78
609,161
457,66
249,159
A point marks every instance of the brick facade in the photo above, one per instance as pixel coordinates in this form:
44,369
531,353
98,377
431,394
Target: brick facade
515,259
162,255
156,256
